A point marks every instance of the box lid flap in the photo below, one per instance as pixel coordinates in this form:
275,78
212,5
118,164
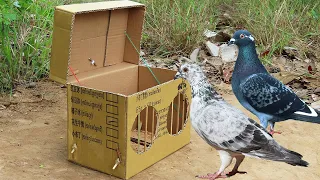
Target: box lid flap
98,6
90,36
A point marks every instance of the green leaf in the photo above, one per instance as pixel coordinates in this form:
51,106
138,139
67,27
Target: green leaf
10,16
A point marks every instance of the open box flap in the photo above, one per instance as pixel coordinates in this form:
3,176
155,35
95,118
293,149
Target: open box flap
98,6
88,37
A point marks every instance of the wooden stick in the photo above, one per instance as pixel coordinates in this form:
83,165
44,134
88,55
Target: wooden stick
171,117
146,130
152,133
139,128
178,111
183,103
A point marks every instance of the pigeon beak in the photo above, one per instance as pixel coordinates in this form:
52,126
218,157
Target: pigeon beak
177,76
232,41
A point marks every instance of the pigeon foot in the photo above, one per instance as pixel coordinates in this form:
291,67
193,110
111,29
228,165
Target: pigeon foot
232,173
275,132
212,176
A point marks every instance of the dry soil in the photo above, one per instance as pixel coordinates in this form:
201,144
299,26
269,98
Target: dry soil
33,145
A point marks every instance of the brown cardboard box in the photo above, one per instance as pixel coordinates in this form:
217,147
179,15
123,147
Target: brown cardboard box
120,121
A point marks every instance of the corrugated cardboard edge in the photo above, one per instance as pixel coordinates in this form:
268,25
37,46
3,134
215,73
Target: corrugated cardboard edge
63,8
126,135
96,6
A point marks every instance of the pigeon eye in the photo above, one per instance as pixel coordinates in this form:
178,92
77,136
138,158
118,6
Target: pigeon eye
185,69
241,36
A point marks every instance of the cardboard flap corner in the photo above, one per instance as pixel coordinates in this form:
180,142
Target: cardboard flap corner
91,36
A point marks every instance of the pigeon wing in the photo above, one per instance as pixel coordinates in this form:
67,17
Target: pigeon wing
268,95
227,128
251,141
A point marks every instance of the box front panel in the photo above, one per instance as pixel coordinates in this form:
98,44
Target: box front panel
150,125
96,129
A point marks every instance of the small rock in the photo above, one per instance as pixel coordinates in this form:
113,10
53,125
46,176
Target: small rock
316,105
31,85
317,90
61,137
194,54
227,16
47,123
212,48
315,97
1,130
307,61
228,53
207,33
2,107
142,53
175,57
175,68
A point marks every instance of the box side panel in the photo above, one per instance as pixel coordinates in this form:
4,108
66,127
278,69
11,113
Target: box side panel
146,80
96,129
134,31
60,46
163,143
88,41
116,36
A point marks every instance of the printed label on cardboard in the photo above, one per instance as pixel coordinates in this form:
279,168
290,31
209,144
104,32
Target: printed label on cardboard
95,125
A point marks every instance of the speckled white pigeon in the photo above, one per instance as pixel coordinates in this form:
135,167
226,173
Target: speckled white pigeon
227,129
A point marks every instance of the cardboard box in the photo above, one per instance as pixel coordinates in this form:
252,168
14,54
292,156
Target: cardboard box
120,121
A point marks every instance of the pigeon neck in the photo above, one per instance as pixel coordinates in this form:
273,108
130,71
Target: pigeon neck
204,90
248,61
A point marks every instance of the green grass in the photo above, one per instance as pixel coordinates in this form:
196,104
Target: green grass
171,27
276,24
177,26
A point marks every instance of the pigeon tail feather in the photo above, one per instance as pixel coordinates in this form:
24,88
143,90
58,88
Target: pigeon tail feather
308,114
297,159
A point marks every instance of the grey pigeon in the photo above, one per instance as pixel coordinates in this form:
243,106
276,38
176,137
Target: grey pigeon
227,129
262,94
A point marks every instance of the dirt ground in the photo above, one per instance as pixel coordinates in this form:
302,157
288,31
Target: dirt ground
33,145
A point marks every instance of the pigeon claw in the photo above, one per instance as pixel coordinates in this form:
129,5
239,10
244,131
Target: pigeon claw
275,132
232,173
212,176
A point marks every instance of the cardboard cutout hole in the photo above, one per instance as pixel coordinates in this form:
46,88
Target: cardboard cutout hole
144,130
178,114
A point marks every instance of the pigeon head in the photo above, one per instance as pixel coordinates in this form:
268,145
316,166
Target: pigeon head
241,38
192,72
